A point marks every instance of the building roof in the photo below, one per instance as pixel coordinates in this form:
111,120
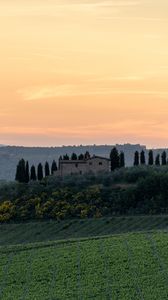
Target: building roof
100,157
83,161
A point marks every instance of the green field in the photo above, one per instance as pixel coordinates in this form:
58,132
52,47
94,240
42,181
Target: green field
53,230
120,265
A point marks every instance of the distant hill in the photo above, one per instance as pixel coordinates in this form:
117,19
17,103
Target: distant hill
10,155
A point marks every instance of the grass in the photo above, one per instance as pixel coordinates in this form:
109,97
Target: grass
52,230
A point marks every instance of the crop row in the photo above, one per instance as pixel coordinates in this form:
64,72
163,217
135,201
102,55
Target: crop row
129,266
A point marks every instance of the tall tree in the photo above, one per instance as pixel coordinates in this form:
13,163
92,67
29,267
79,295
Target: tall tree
114,158
21,171
164,158
74,156
136,158
27,175
157,160
47,169
150,158
87,155
142,158
54,167
33,173
40,172
121,160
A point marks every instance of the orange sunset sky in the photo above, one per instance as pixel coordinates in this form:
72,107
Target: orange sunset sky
83,72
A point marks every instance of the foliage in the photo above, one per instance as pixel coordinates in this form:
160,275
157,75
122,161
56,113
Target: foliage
136,158
150,158
164,158
74,156
115,160
33,175
54,166
157,160
142,158
40,172
47,169
121,160
136,190
21,175
127,266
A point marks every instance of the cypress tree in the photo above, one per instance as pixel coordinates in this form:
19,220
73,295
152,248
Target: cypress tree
21,171
142,158
74,156
122,160
164,158
66,157
136,158
114,158
27,172
33,173
17,176
81,157
54,167
157,160
47,169
87,155
40,172
150,158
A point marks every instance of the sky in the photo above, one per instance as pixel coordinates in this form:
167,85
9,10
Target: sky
83,72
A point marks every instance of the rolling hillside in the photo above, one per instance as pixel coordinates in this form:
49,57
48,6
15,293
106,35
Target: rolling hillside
110,258
127,266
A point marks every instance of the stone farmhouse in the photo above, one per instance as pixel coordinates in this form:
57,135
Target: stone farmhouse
94,164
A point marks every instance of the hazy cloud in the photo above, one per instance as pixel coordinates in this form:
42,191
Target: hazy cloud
41,8
70,90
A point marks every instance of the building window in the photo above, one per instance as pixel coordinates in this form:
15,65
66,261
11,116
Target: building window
80,172
90,163
76,165
100,163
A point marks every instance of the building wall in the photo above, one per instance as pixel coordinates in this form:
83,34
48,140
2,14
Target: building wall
94,165
98,165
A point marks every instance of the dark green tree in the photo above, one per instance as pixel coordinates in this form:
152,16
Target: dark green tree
47,169
157,160
54,167
74,156
21,171
81,157
66,157
27,172
40,172
136,158
121,160
164,158
87,155
114,158
150,158
33,173
142,158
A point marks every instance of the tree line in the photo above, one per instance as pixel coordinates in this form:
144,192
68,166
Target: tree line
140,159
24,173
